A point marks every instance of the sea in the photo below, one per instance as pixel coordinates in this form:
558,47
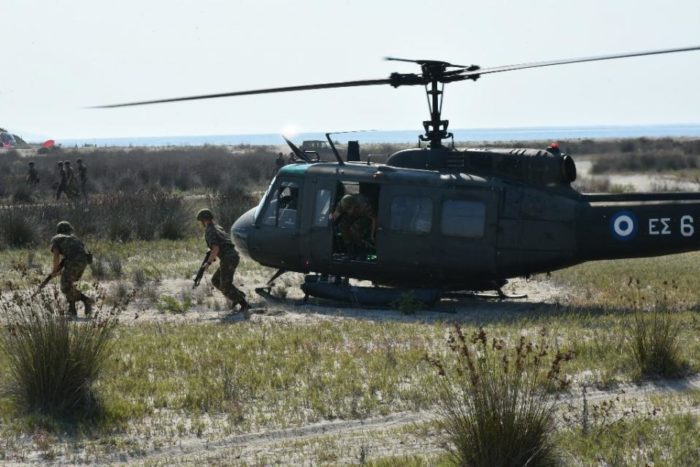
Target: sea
405,136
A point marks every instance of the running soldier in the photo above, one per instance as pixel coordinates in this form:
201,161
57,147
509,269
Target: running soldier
75,260
356,222
62,181
82,175
32,178
221,247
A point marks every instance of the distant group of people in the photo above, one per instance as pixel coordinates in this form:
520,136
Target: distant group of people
281,161
67,183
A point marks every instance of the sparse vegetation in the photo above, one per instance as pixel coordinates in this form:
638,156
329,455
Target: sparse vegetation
495,399
655,343
53,362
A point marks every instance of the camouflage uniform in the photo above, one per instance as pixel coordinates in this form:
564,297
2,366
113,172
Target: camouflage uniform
62,181
70,190
354,216
223,277
32,175
82,175
75,260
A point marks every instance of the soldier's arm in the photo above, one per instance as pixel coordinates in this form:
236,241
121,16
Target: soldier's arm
56,261
215,249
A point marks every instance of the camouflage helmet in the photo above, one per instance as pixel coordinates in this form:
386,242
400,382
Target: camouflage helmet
31,164
59,163
64,227
205,215
347,202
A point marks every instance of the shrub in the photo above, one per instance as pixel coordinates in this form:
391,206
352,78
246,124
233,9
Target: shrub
655,343
17,230
54,362
495,400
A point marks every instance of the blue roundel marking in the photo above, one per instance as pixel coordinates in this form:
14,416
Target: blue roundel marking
623,225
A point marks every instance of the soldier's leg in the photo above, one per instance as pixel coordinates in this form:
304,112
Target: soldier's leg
228,269
70,274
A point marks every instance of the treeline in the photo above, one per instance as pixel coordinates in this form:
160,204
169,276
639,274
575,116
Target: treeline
205,169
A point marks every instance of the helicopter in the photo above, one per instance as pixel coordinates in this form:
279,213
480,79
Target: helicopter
447,220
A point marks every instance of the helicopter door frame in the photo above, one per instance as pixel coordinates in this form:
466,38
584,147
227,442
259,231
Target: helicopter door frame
279,223
468,245
320,197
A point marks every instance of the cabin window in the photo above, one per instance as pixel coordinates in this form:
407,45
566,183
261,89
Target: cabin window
282,209
322,208
412,214
463,218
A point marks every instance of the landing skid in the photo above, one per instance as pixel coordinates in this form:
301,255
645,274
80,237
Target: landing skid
498,295
339,290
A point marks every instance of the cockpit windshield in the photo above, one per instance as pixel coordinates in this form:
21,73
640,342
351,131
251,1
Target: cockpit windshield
279,206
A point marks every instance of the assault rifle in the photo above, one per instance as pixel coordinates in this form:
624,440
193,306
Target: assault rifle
202,268
47,279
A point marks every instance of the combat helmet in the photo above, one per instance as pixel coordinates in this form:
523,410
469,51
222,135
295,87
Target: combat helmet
348,202
205,215
64,227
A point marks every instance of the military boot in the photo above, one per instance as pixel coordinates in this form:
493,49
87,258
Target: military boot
87,303
72,312
245,309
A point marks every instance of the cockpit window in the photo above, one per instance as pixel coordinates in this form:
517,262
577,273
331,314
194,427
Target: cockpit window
281,211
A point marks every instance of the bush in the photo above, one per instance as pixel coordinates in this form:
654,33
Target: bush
495,400
17,230
655,343
54,362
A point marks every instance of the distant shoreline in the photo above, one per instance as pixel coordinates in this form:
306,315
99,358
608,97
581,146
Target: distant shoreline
407,136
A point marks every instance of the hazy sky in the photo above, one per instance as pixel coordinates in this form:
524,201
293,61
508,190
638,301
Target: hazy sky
61,56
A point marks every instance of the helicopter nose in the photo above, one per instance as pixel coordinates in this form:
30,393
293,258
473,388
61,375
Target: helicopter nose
240,230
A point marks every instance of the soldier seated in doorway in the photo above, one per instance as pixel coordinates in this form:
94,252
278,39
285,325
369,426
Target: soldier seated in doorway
356,221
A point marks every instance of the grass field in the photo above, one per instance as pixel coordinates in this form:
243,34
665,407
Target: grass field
169,381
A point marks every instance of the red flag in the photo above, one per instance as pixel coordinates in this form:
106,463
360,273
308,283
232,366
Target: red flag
48,144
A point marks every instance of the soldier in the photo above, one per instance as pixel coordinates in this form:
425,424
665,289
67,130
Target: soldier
75,260
221,247
71,192
32,175
280,162
62,181
356,222
82,175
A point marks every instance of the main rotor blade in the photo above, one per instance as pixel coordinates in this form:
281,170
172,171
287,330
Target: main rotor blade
522,66
307,87
421,62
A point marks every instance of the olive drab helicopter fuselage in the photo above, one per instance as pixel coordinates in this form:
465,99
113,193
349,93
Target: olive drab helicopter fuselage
449,219
457,230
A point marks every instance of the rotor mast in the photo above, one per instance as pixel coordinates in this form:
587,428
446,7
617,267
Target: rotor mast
435,128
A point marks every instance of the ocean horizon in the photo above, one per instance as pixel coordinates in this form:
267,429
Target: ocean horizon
406,136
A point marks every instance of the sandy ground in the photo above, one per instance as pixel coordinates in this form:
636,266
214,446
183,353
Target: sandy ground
640,182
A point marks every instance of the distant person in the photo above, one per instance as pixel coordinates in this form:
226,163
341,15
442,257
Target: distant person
62,181
75,259
292,158
82,175
32,178
280,162
71,191
221,247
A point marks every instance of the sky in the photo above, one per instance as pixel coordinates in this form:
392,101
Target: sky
60,57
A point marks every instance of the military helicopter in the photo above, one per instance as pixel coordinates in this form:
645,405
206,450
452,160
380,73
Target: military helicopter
450,220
